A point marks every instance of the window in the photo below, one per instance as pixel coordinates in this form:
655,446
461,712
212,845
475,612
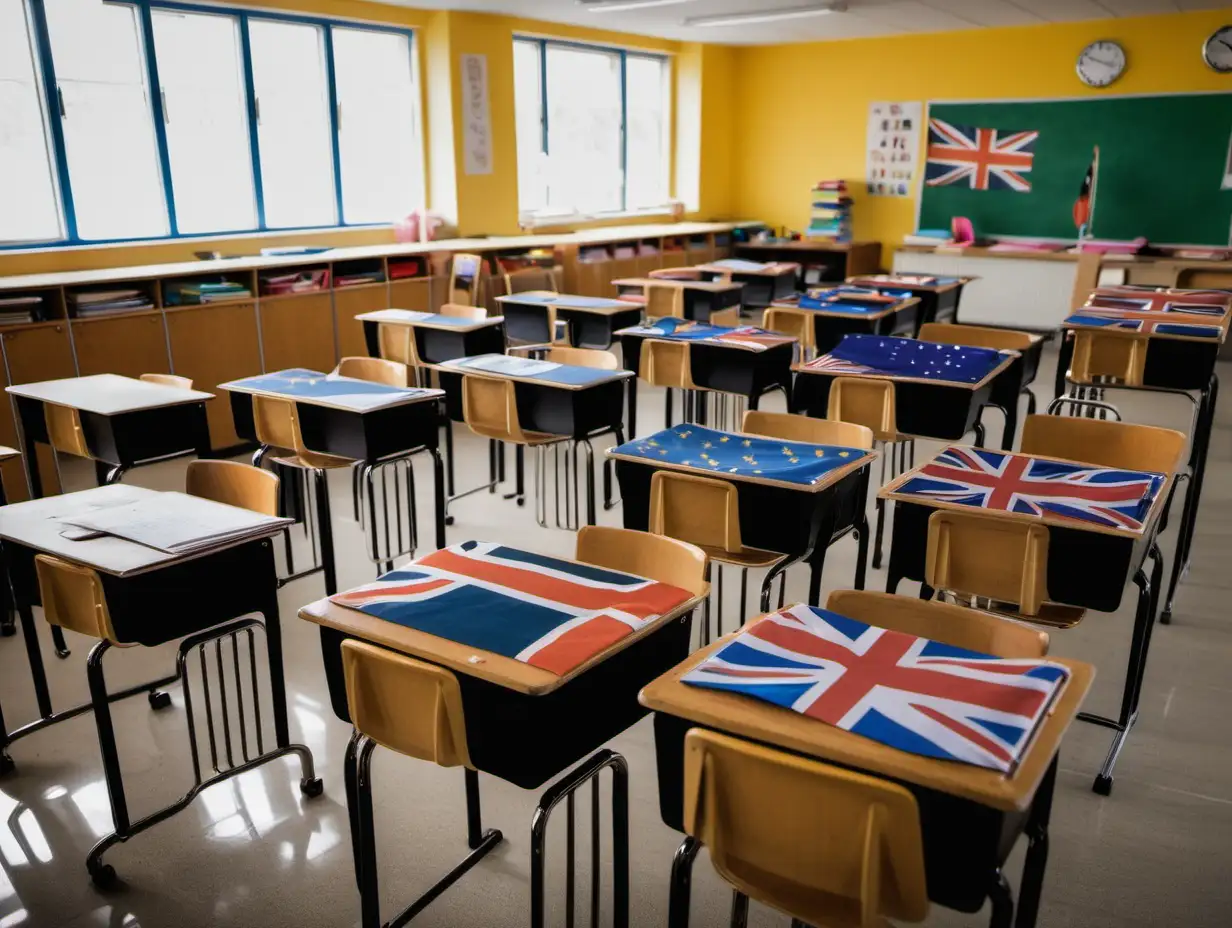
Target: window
378,138
29,209
592,129
205,117
138,119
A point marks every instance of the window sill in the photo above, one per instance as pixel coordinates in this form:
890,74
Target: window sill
202,239
535,223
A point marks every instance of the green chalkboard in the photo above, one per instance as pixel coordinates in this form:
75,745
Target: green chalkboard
1162,162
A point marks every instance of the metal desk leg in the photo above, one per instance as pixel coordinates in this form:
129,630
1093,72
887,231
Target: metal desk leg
29,459
632,393
438,486
682,883
325,525
1037,851
1189,517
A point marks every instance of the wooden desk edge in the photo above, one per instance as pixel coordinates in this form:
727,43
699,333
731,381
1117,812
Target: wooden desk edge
1008,358
430,324
452,368
430,393
831,477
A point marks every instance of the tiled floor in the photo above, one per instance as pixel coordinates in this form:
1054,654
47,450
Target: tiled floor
255,853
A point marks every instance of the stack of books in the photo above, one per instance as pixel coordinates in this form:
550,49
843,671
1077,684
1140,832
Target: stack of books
831,217
295,282
197,292
357,278
14,310
103,302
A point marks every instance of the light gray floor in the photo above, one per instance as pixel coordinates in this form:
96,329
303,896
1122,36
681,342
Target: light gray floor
254,853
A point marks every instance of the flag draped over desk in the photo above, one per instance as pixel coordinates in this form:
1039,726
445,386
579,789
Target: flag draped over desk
543,611
888,356
748,337
910,693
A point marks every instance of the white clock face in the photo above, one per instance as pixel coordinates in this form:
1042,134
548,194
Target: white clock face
1217,52
1101,63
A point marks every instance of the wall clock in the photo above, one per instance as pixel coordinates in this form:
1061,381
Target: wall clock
1101,63
1217,52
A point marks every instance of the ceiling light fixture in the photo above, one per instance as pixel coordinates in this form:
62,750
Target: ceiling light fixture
619,6
766,16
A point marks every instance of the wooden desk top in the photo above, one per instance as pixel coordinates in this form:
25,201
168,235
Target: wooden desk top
887,309
38,524
7,453
108,394
792,731
749,268
892,282
597,305
504,671
418,320
560,376
712,286
805,245
1007,358
891,492
333,392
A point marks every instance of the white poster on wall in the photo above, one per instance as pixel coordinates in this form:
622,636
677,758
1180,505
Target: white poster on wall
476,115
893,148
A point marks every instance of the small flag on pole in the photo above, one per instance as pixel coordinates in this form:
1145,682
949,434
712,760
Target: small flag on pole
1084,206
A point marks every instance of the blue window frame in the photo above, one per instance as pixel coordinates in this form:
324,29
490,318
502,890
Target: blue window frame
278,122
593,129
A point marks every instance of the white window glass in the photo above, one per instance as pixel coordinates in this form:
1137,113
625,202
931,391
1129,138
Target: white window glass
528,115
29,207
201,76
293,123
109,139
378,125
584,140
647,164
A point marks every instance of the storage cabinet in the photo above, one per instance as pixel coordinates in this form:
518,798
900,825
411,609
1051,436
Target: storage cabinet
129,345
350,301
297,330
33,353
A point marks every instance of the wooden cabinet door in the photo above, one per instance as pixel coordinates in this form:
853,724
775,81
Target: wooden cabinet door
414,293
212,345
298,331
128,345
349,301
594,278
33,354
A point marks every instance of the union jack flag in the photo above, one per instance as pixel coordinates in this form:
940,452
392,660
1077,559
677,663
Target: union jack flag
987,159
543,611
1187,302
1035,486
1145,322
910,693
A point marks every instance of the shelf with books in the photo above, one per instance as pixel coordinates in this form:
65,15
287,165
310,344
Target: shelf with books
364,272
291,281
207,289
31,307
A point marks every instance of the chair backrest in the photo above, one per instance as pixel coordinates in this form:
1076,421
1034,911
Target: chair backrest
1086,277
406,705
397,343
667,364
1002,559
655,557
1121,356
375,370
867,401
276,422
235,484
64,430
675,273
700,510
464,273
73,597
663,300
797,323
1107,443
169,380
944,622
584,357
490,407
458,311
532,278
825,845
975,336
790,427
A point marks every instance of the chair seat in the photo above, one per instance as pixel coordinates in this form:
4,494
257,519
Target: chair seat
840,912
311,460
1054,615
745,557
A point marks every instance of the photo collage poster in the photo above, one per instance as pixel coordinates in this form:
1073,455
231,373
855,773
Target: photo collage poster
893,147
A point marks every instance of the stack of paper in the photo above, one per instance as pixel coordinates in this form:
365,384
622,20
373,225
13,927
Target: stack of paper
18,309
177,523
831,216
102,302
307,281
195,292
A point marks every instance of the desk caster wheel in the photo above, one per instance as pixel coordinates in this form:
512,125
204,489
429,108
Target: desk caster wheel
1102,786
7,629
521,500
6,765
1165,617
103,876
312,788
449,520
159,700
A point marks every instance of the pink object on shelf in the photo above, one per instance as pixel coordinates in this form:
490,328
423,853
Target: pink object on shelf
1110,247
417,226
961,231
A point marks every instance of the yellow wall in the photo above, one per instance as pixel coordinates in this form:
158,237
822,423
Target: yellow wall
813,125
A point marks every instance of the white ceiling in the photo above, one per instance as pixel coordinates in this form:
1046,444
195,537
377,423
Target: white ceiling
862,18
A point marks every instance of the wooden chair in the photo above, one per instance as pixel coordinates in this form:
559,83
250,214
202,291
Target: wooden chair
532,278
458,311
1108,358
465,271
169,380
706,512
669,365
675,273
1086,277
657,557
397,343
799,324
824,845
64,430
870,401
791,427
235,484
1002,561
663,301
1120,445
375,370
975,336
584,357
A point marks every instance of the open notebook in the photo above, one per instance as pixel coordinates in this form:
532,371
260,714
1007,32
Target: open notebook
176,523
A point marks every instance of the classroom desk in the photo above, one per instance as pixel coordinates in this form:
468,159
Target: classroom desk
763,282
524,724
931,406
437,338
939,296
846,310
576,403
591,320
836,260
1088,562
145,590
7,626
702,298
777,513
723,360
970,817
126,422
367,422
